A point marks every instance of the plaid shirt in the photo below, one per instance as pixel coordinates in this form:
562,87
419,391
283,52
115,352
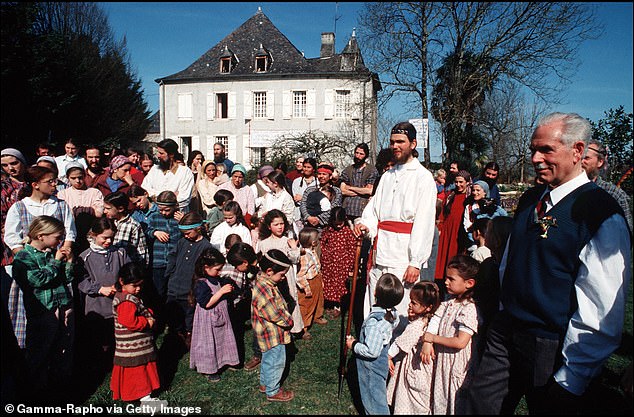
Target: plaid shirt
270,317
376,332
130,237
358,178
309,268
620,196
157,222
44,280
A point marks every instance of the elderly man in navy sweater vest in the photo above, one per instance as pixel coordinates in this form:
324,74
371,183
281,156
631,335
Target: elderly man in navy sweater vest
564,280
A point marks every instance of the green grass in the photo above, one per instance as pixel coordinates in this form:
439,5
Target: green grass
314,378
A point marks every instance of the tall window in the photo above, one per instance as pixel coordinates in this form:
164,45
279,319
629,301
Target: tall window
259,104
342,104
222,105
299,103
258,156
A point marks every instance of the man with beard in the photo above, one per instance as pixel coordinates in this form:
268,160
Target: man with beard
400,217
221,158
94,172
594,162
357,182
169,175
324,177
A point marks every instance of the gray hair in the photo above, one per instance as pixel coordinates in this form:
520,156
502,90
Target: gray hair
576,128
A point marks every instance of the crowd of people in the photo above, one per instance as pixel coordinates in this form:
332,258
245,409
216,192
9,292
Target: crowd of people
460,301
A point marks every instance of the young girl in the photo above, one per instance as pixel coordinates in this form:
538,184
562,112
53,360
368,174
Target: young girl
44,274
234,223
271,323
242,268
409,389
134,374
274,229
215,215
372,346
143,207
337,259
455,322
98,268
478,229
179,272
309,281
213,344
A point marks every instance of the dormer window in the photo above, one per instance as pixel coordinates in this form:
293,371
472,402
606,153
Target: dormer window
262,60
228,61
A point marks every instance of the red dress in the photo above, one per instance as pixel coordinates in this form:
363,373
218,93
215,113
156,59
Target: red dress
448,243
338,249
133,383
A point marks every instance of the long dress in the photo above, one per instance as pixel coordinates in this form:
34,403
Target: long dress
213,343
453,365
409,390
337,261
449,241
281,243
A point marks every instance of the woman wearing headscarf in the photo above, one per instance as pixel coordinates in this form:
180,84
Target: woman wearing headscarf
206,185
479,205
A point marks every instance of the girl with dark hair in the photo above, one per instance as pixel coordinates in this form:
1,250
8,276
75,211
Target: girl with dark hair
213,345
215,215
234,223
337,260
278,198
144,208
371,348
134,374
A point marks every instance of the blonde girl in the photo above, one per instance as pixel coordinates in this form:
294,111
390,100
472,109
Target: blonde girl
451,331
409,388
309,280
44,274
234,223
274,231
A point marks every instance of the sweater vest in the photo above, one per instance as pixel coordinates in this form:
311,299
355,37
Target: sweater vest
132,347
538,290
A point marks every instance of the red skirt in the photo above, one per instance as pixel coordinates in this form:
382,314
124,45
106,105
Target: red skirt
132,383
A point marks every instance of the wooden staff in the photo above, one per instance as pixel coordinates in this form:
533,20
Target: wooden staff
343,346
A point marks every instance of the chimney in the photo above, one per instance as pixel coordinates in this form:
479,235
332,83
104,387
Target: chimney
327,44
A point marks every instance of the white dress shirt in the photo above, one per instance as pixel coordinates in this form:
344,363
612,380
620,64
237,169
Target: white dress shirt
406,193
62,160
594,330
181,183
220,233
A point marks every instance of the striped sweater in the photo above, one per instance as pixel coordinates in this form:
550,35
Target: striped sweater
134,344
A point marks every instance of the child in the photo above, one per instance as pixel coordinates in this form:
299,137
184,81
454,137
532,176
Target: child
254,229
372,346
143,207
234,223
163,234
85,203
134,374
478,230
455,322
213,344
44,274
129,235
274,228
179,272
215,216
409,389
242,268
98,268
309,282
271,323
338,246
319,201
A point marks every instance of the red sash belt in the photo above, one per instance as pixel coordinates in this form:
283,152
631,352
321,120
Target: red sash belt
388,226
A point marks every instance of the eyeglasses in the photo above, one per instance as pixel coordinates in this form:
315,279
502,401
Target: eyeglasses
51,181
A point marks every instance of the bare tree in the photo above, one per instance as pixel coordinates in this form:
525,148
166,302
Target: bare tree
316,144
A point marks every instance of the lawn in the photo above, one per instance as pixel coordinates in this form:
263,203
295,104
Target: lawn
314,378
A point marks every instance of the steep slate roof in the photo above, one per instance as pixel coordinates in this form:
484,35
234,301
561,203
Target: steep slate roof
287,60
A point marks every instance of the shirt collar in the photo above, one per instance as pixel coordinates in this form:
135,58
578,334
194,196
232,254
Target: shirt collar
557,194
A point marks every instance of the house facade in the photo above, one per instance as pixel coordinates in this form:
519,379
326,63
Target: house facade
255,86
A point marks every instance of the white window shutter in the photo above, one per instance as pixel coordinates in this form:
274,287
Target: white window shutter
232,105
310,103
248,105
210,147
246,150
329,104
270,104
195,144
232,145
355,105
287,104
211,108
185,106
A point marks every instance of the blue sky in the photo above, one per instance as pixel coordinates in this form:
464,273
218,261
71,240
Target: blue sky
164,38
